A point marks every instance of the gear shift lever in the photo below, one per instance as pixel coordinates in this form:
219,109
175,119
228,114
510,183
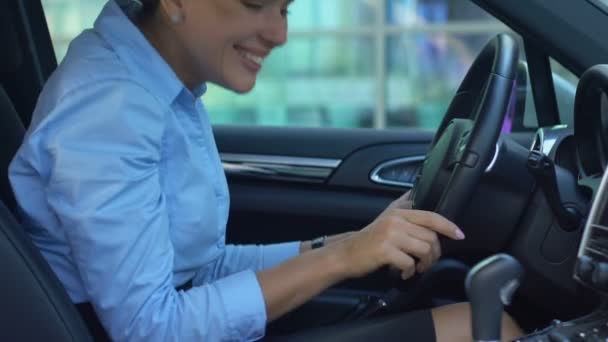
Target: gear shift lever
490,285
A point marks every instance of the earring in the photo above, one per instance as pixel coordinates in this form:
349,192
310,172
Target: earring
177,18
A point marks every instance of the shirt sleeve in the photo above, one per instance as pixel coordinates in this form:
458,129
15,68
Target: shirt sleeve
238,258
103,148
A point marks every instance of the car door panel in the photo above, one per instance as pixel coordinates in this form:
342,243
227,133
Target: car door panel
270,209
270,204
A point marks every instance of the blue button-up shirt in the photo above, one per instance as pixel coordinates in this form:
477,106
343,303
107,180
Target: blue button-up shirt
122,189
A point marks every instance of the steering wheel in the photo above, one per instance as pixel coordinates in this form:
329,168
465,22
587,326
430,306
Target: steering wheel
467,137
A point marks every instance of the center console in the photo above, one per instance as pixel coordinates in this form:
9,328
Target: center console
592,271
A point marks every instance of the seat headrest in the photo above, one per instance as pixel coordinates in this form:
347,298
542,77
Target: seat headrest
11,57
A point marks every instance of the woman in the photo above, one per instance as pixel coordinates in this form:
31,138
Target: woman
127,199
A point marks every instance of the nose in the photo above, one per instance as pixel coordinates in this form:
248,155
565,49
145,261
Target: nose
274,33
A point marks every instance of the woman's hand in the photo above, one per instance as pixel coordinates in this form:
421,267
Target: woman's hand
403,202
397,237
405,239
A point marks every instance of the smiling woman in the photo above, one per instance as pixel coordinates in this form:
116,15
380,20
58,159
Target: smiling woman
123,191
225,45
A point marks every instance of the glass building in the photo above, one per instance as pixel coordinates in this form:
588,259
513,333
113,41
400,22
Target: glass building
348,63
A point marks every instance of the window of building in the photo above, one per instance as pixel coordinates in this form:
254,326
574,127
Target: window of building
348,63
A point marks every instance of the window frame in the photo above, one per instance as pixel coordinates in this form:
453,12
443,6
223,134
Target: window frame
380,31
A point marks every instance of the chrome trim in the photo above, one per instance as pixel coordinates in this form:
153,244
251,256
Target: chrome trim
281,160
375,174
494,158
546,137
272,167
597,207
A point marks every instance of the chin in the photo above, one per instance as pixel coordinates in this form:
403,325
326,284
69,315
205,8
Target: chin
239,82
242,87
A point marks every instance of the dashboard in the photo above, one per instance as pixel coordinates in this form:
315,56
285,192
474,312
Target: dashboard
569,165
591,125
591,119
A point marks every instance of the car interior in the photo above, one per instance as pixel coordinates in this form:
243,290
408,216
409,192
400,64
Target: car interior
530,199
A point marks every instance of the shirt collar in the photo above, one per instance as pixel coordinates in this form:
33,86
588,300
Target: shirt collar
139,56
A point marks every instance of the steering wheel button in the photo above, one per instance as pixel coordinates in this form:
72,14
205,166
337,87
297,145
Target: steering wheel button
470,159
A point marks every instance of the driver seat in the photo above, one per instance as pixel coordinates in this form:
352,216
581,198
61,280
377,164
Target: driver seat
35,306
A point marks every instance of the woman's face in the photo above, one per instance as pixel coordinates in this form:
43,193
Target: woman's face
226,41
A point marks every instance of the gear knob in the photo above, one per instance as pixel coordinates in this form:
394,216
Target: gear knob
490,285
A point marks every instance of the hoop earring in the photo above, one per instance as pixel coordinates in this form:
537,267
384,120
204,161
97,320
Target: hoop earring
177,18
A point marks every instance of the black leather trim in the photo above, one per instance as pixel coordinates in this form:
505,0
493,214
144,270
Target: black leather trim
12,136
35,306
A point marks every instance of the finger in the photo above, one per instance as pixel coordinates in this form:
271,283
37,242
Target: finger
407,195
402,261
432,221
408,274
417,248
427,235
436,246
404,202
422,251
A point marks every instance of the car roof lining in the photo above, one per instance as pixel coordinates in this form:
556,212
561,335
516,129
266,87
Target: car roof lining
547,25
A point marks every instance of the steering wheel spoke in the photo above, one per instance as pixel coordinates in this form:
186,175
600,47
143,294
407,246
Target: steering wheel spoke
463,146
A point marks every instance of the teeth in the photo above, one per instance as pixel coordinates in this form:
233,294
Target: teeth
256,59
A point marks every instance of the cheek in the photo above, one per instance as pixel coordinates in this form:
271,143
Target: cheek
228,61
235,76
207,58
217,57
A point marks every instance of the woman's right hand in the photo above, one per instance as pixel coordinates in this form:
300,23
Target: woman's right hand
404,239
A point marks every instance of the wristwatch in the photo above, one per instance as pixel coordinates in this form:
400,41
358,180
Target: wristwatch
318,242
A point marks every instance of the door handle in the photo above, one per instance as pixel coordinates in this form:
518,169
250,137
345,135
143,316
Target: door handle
400,172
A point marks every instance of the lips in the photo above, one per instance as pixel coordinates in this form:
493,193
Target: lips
253,58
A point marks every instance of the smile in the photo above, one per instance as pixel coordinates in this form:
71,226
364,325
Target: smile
250,56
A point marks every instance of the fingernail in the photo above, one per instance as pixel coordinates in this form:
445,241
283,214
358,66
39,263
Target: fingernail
459,234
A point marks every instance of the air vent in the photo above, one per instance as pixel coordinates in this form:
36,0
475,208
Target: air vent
537,144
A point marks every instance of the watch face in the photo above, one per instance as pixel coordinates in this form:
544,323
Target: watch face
318,242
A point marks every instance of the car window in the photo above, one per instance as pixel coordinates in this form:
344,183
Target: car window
365,64
565,83
348,63
67,18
